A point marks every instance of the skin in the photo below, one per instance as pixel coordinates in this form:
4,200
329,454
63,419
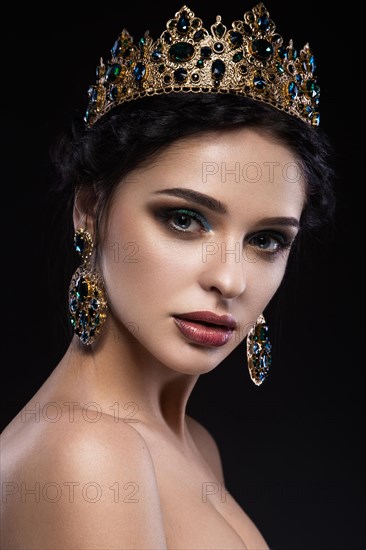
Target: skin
141,371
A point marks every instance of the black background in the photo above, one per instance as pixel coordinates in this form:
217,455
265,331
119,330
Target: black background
292,448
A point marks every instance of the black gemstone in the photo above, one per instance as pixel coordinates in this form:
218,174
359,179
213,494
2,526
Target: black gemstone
127,53
198,35
236,39
181,51
247,29
82,289
180,75
282,53
167,78
195,77
167,37
218,69
262,48
206,52
219,30
183,23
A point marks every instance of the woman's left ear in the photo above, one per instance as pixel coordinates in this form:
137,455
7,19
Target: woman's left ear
84,209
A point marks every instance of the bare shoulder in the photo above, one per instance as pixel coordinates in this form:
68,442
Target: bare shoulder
81,482
207,445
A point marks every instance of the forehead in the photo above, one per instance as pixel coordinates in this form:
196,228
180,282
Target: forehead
242,164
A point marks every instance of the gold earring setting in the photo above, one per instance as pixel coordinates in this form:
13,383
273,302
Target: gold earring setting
259,351
87,295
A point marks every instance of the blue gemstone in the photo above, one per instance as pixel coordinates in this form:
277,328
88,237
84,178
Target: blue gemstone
282,53
263,23
259,82
183,24
94,303
198,35
236,39
139,71
73,304
156,55
117,46
84,336
293,90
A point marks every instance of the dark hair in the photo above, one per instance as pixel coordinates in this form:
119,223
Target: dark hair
97,158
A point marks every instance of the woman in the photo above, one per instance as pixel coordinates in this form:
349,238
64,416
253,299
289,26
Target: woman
185,206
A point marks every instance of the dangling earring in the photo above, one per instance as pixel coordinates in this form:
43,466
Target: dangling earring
87,295
259,351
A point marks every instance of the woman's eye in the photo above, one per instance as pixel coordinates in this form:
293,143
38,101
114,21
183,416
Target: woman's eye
184,221
270,243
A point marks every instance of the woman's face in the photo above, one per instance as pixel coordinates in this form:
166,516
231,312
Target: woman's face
207,227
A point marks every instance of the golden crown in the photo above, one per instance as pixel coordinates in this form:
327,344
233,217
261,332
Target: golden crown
249,59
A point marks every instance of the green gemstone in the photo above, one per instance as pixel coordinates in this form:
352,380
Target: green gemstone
238,57
181,51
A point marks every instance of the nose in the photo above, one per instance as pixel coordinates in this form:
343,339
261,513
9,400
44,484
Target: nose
223,268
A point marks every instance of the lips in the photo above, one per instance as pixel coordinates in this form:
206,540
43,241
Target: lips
205,327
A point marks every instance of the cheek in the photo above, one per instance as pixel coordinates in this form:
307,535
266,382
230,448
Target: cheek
146,266
263,279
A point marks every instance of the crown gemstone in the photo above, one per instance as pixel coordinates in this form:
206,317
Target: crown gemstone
218,69
183,23
139,71
262,48
236,39
249,58
156,55
219,30
198,35
218,47
113,72
237,57
259,82
167,37
181,51
293,90
263,23
180,75
206,52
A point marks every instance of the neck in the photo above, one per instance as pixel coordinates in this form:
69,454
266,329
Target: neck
126,381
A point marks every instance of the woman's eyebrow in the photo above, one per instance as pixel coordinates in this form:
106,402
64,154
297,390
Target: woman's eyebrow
281,221
195,196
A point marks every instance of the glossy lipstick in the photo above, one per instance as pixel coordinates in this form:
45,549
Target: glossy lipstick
205,327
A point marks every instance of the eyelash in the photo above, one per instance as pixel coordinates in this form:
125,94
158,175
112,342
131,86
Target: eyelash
283,242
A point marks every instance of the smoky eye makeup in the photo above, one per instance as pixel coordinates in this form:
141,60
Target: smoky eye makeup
183,220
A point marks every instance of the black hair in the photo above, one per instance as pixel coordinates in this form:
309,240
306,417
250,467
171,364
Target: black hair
98,157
